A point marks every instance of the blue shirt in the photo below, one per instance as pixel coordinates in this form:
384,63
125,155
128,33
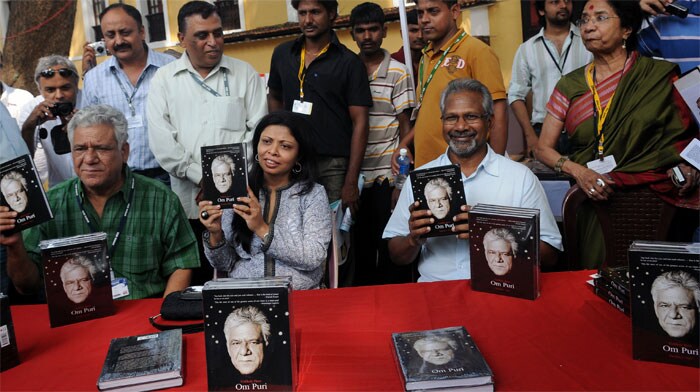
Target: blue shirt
674,39
497,180
102,86
11,143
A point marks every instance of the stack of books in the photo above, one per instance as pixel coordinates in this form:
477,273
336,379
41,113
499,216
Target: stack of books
248,334
77,278
143,363
665,294
504,250
612,284
441,360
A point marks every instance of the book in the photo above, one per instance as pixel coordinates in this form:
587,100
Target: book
504,250
224,173
77,278
23,192
664,279
602,291
616,278
440,190
9,355
143,362
440,358
248,334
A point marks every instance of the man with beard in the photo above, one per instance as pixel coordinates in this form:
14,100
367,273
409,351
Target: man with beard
467,118
123,80
539,63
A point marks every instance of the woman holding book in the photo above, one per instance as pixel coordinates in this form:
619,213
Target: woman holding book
283,226
625,123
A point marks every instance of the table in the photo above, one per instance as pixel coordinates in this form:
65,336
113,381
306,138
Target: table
568,339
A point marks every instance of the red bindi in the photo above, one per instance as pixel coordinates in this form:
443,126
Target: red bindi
590,7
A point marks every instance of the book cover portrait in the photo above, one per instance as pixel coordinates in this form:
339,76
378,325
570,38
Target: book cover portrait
248,340
440,190
78,285
224,173
21,190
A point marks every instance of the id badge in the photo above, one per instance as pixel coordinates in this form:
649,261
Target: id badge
120,288
602,167
414,113
302,107
135,122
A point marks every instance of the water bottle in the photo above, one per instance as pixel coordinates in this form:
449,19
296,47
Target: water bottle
404,168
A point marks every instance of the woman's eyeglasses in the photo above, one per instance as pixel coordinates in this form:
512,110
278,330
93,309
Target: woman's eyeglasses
50,72
598,19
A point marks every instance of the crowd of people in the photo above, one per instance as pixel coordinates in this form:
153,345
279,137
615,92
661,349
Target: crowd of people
123,154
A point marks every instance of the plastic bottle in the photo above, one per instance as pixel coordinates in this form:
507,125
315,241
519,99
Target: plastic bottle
404,168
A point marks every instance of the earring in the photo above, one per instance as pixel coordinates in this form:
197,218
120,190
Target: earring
297,168
256,158
624,43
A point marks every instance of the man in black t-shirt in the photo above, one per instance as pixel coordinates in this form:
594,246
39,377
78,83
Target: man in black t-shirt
334,95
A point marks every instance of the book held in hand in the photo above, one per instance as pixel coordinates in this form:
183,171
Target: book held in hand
22,191
665,294
440,190
77,278
441,358
224,173
143,363
248,334
504,250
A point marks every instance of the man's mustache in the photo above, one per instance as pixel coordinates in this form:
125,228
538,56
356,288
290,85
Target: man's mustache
119,47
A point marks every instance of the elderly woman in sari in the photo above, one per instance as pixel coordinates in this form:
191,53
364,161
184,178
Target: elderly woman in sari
626,123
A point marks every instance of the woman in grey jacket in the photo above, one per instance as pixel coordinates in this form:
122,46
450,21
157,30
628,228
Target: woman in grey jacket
283,226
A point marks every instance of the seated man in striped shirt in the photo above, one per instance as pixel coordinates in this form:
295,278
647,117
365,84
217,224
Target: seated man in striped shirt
150,243
389,121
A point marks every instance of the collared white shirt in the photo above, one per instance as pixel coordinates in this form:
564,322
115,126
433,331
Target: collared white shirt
497,180
534,69
101,86
183,116
11,143
14,99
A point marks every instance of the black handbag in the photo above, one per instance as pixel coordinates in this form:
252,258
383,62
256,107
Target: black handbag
181,306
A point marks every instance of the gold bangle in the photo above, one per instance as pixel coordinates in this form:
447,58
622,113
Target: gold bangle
560,163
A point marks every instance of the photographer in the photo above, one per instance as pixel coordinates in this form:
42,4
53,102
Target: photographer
673,32
46,116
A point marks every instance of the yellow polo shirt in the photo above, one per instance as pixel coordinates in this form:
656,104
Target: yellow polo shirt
470,58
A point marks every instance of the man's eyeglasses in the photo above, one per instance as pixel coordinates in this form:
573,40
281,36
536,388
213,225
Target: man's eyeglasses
50,72
471,118
598,19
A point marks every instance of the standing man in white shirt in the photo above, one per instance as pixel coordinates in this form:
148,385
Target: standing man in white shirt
204,98
123,80
539,63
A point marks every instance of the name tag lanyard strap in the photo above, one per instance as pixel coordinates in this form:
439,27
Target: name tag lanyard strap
566,54
600,114
213,92
302,68
122,222
435,68
129,99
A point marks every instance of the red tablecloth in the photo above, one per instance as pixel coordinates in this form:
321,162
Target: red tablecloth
568,339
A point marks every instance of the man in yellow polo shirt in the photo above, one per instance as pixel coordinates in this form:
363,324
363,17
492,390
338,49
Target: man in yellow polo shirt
451,54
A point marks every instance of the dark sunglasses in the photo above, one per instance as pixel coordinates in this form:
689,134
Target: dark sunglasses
50,72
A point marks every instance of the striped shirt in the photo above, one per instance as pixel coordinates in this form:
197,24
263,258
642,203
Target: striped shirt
156,240
534,69
674,39
102,86
392,93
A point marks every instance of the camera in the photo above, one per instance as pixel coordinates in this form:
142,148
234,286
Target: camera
61,109
677,10
100,48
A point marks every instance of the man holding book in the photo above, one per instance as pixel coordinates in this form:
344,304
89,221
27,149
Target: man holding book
151,246
467,118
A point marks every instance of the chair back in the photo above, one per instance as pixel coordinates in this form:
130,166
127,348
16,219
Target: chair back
629,215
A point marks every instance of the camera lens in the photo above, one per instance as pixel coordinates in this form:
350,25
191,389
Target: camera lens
100,49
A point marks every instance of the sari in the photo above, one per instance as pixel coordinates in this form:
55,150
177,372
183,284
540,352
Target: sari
647,127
